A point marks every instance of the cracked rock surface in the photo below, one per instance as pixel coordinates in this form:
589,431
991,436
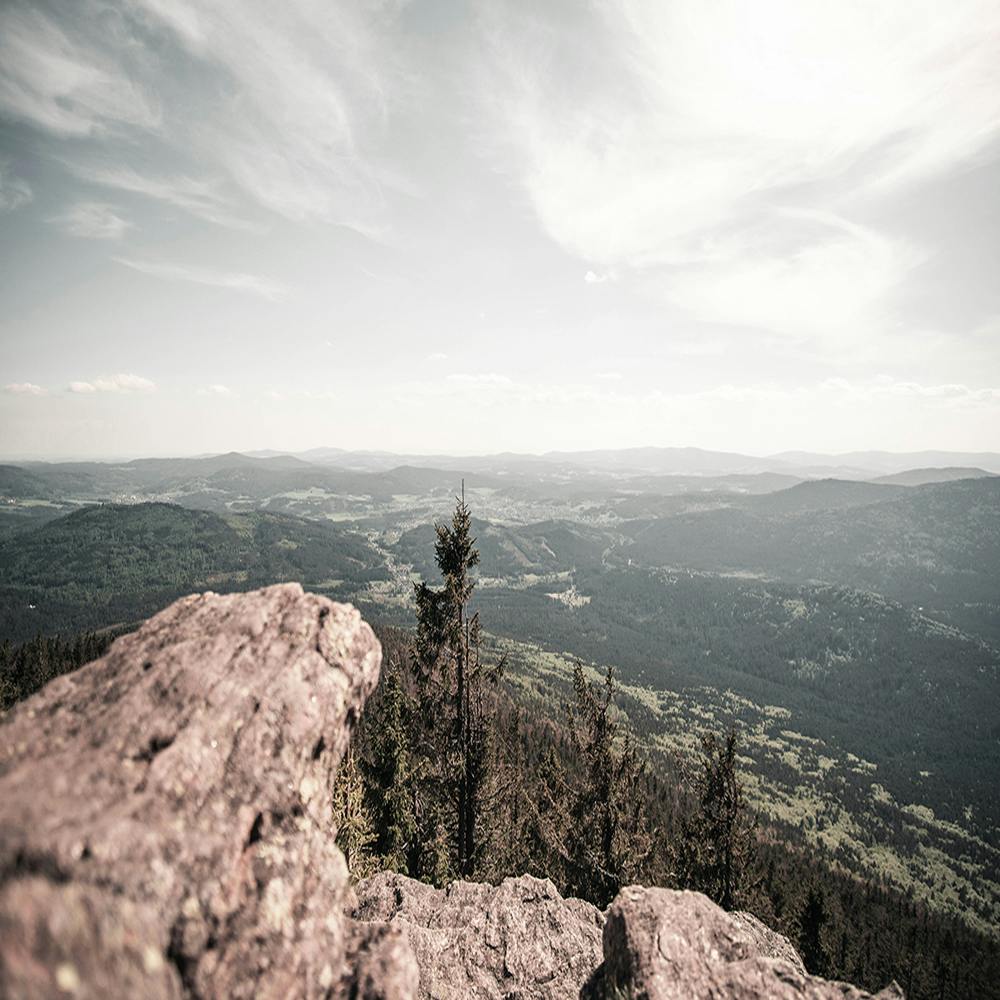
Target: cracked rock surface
518,939
660,944
165,827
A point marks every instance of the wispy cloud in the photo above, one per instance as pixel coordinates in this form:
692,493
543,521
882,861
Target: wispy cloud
252,284
14,192
481,379
24,389
676,151
203,198
292,99
312,101
66,84
114,383
829,282
217,389
92,220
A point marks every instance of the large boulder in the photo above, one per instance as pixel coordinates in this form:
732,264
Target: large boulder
165,826
661,944
519,939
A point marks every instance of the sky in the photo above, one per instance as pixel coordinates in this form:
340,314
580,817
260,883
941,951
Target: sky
452,226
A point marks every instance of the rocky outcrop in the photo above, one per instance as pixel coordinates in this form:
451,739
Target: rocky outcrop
165,825
165,832
661,944
518,939
522,941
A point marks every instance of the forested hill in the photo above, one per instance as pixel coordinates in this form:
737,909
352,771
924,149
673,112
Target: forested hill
115,564
935,546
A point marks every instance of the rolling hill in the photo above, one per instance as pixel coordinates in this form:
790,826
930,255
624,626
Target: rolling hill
936,547
921,477
113,563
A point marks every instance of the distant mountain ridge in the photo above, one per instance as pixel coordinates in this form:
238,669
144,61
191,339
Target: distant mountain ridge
924,477
685,461
626,463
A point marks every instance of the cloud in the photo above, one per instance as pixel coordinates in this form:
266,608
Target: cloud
14,192
674,149
217,390
114,383
437,356
829,282
312,102
24,389
595,279
204,199
92,220
720,105
252,284
65,83
481,379
609,376
283,107
882,390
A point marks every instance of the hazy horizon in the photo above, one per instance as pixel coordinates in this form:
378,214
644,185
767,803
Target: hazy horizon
434,226
879,461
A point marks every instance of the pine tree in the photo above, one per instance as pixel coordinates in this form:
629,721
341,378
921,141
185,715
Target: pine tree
717,844
389,773
609,838
545,836
813,920
353,824
457,705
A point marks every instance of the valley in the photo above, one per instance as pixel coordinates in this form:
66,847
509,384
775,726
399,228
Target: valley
850,627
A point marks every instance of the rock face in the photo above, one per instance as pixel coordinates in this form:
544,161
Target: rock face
520,939
165,827
165,832
665,945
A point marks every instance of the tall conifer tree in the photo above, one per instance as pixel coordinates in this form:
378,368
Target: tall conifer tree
456,688
609,836
717,849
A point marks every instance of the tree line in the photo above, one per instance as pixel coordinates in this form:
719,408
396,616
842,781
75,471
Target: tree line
29,666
